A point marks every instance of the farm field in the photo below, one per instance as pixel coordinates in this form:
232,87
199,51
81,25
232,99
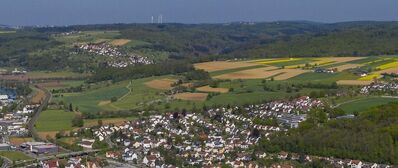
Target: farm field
211,89
366,103
345,67
388,65
240,82
354,82
162,84
14,155
223,65
191,96
120,42
38,95
19,140
55,120
60,84
88,101
105,121
258,73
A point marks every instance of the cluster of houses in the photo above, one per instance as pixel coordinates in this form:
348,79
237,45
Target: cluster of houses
73,162
324,70
335,162
14,123
380,87
288,113
220,135
118,58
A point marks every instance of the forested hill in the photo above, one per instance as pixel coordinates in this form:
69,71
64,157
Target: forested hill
341,39
206,41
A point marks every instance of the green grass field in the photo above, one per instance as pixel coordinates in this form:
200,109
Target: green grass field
66,84
55,120
88,101
324,77
14,155
98,97
361,105
59,74
139,96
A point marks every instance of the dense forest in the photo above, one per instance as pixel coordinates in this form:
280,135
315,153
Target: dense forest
371,136
36,48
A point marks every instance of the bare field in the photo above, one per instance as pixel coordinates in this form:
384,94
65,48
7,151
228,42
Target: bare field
345,67
344,59
105,121
163,84
257,73
210,89
120,42
19,140
38,97
191,96
354,82
288,73
223,65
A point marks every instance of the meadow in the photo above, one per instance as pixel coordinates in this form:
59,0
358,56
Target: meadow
366,103
14,155
55,120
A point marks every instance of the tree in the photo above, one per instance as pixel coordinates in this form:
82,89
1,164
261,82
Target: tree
78,121
70,107
113,99
99,123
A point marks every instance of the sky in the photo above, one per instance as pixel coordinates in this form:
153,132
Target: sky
72,12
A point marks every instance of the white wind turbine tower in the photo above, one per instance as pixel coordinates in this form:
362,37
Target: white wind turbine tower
152,19
160,19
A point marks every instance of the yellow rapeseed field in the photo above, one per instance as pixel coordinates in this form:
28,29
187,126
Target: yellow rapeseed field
370,77
387,66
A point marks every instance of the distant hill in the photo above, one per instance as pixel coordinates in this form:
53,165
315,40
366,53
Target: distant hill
340,39
202,42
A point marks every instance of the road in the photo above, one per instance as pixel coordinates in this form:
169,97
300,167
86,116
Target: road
32,122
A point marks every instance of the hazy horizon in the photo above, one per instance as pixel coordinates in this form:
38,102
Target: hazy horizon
77,12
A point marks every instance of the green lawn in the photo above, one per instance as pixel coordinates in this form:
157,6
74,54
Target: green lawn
14,155
55,120
366,103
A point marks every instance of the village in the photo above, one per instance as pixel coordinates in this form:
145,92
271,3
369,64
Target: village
216,137
117,58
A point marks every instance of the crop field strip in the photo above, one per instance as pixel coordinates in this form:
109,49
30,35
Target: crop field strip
210,89
162,84
222,65
191,96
